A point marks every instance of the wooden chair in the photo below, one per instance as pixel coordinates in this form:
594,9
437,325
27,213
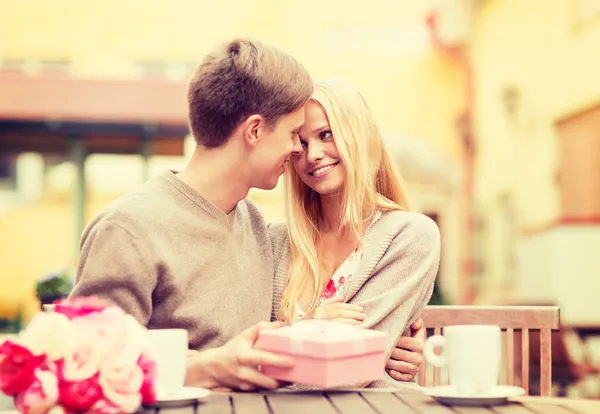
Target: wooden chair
523,319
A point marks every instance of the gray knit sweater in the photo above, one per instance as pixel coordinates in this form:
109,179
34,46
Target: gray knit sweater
172,259
394,282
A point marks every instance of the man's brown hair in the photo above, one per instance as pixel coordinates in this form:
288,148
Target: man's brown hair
240,79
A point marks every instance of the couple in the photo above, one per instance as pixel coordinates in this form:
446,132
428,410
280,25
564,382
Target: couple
189,250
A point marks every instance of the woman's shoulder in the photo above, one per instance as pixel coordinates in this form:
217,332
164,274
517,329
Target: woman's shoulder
396,222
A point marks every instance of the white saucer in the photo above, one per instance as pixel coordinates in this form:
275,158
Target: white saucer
186,396
498,395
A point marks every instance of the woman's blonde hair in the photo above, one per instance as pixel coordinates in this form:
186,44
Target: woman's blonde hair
372,182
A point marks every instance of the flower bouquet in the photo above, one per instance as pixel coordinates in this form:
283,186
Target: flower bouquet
85,357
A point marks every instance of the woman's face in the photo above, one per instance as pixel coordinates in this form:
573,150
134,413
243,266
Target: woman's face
318,164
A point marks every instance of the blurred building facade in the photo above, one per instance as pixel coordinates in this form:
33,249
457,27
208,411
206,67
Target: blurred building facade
537,123
472,96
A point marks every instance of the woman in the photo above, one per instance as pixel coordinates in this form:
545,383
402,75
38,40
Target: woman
351,250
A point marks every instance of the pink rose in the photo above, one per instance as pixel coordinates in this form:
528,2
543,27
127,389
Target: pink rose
17,367
49,333
121,384
80,396
97,336
84,360
104,406
121,375
107,325
80,306
40,396
148,367
342,280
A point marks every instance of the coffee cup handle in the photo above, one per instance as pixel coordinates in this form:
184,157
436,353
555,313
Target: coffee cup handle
428,351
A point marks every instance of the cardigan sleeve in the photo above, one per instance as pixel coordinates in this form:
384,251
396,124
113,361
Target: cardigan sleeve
402,282
280,243
399,286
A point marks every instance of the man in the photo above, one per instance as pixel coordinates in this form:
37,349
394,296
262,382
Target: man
188,249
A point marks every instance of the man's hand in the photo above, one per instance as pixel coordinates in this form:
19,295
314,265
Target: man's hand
337,310
407,357
235,365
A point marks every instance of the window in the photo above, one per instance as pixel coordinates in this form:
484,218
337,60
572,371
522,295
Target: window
579,168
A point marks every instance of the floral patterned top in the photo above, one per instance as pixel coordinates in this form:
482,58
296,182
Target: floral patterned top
337,285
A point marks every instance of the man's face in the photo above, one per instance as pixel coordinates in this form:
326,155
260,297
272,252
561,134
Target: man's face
274,148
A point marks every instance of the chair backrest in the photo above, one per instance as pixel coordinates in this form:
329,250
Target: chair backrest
510,319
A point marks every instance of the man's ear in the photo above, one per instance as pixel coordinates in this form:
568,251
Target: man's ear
253,126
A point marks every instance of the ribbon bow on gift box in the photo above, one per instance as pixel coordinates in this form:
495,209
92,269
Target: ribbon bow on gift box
328,331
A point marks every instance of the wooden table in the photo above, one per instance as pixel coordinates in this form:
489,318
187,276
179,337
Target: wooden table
370,402
365,402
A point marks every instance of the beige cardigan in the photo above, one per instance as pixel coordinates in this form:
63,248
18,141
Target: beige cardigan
394,281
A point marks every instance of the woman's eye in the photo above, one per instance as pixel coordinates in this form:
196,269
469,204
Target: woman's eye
325,134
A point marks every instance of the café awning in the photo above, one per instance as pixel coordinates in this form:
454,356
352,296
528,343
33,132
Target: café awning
44,113
57,113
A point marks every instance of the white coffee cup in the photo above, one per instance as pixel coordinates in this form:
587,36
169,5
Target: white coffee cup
48,308
472,354
168,348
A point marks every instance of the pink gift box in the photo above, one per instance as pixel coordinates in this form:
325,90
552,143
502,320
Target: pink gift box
325,353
